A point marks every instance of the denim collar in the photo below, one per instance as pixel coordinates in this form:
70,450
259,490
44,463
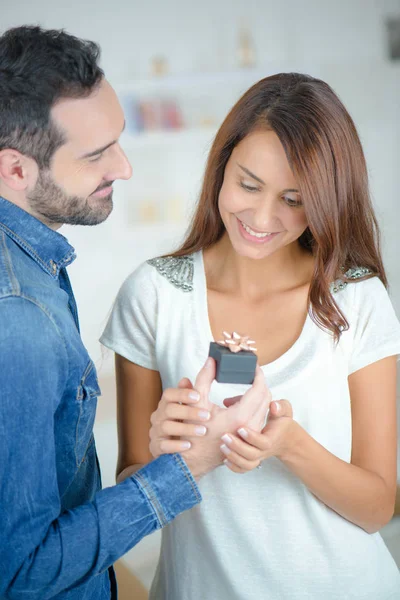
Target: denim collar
48,248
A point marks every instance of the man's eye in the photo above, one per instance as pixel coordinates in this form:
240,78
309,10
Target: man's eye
96,157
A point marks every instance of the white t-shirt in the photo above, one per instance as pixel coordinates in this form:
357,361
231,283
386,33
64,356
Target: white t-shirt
262,535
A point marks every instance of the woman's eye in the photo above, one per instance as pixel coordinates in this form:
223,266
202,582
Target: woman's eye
292,202
249,188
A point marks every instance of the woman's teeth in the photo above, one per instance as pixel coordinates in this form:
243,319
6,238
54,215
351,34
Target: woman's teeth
251,232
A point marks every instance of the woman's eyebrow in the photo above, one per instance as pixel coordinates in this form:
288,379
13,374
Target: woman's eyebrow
251,174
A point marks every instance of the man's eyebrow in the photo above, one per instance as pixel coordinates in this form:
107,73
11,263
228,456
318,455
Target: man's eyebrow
251,174
103,149
98,151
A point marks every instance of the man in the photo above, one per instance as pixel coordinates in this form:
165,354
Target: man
60,122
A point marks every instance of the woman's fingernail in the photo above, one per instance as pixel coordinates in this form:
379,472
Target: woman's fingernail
243,433
200,430
194,396
277,407
204,415
227,462
185,445
208,363
225,449
226,438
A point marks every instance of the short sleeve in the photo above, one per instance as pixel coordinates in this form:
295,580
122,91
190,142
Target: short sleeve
376,329
131,328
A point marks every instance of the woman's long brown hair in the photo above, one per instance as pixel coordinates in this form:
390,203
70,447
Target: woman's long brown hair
327,160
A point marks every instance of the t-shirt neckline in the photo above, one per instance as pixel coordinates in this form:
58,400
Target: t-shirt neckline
200,289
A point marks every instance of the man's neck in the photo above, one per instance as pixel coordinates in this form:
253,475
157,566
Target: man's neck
22,202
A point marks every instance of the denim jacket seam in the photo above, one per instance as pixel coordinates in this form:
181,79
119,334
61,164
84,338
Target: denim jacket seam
48,315
189,478
152,498
28,248
15,287
88,370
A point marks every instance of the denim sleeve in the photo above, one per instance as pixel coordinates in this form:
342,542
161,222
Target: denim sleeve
43,551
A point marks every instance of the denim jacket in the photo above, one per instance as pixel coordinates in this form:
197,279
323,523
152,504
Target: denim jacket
59,532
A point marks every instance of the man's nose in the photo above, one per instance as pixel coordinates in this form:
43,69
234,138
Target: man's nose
121,167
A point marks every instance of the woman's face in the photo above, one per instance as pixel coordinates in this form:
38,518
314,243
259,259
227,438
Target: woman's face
259,201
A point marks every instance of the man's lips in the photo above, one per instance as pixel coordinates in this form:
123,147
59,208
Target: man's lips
104,191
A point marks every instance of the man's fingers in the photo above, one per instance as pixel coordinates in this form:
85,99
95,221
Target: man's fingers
185,396
204,379
179,412
174,428
166,446
280,408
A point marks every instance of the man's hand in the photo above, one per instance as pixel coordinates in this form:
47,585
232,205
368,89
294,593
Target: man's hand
202,454
177,405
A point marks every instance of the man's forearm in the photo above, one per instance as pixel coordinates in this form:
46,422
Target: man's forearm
85,541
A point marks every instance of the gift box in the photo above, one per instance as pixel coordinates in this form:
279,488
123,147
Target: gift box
233,367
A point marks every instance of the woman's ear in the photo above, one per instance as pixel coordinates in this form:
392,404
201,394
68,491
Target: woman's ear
17,171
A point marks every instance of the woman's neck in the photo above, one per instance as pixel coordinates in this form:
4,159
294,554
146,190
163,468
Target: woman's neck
285,269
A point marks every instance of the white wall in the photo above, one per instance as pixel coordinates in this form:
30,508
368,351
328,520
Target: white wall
341,41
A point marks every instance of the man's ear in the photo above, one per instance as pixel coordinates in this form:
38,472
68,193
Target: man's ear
17,171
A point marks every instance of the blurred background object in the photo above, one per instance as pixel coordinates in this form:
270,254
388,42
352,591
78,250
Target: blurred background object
178,67
393,37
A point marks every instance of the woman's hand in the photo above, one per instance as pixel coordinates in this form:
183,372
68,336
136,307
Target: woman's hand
246,451
201,448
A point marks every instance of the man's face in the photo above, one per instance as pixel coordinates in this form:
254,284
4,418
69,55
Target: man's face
77,188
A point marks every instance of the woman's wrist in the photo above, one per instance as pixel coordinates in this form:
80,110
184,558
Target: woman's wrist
292,450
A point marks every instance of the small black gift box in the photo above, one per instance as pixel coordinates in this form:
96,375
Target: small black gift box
233,367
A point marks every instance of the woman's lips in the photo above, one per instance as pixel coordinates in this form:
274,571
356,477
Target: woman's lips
261,238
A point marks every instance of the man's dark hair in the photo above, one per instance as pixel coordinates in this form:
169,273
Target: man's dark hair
38,67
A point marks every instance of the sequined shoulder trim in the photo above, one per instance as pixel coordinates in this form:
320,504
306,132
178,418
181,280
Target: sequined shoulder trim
353,273
178,270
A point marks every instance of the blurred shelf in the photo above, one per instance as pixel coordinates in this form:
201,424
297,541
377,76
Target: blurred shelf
159,137
247,76
204,79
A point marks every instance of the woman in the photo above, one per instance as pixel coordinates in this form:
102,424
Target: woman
283,247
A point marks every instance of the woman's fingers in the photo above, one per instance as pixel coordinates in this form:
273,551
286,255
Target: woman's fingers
280,408
232,467
185,383
255,439
238,464
231,443
231,401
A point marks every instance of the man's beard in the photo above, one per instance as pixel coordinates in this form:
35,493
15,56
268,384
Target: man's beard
52,205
